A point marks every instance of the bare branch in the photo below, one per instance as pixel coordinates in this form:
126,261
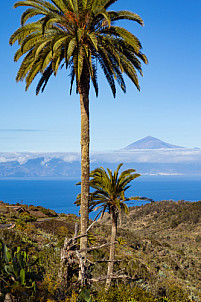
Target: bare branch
101,261
109,276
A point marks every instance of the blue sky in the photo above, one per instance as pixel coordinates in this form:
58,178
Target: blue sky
168,106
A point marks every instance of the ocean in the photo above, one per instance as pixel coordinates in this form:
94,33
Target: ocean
60,194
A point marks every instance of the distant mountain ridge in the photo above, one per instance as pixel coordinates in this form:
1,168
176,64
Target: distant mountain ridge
150,142
149,156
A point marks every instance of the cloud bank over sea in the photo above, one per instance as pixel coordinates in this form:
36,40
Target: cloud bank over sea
145,161
128,156
149,156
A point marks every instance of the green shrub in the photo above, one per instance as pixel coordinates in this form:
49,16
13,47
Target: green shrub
124,293
26,217
175,293
198,238
17,274
3,219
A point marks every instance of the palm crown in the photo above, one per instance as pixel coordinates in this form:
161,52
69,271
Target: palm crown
109,189
76,34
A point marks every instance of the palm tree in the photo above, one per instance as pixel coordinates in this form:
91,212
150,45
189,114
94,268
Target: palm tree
109,194
77,34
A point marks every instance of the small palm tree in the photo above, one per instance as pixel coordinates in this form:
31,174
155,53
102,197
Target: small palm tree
109,195
77,34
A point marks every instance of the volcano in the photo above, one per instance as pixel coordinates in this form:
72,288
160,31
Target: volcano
150,142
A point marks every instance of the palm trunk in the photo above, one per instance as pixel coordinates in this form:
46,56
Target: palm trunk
84,107
120,217
112,248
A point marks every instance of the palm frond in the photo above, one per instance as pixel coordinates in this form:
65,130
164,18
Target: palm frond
29,13
40,4
25,66
123,14
41,46
72,76
104,3
34,70
32,3
61,5
44,79
71,47
30,41
21,33
94,79
108,74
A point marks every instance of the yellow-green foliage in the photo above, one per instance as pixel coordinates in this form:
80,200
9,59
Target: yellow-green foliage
125,293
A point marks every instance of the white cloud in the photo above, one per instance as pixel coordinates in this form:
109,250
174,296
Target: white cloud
138,156
150,156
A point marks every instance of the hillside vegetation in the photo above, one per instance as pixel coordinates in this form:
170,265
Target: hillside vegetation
158,249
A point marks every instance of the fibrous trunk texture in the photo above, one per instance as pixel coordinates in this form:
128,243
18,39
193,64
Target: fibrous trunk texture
112,248
85,164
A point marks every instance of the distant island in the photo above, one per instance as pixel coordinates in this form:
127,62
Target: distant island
149,156
150,142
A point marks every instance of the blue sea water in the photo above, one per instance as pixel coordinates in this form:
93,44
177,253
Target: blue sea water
60,194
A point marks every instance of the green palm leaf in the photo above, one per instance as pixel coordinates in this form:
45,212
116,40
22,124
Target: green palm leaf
78,29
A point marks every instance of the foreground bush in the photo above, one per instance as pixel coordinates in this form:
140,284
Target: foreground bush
125,293
18,274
